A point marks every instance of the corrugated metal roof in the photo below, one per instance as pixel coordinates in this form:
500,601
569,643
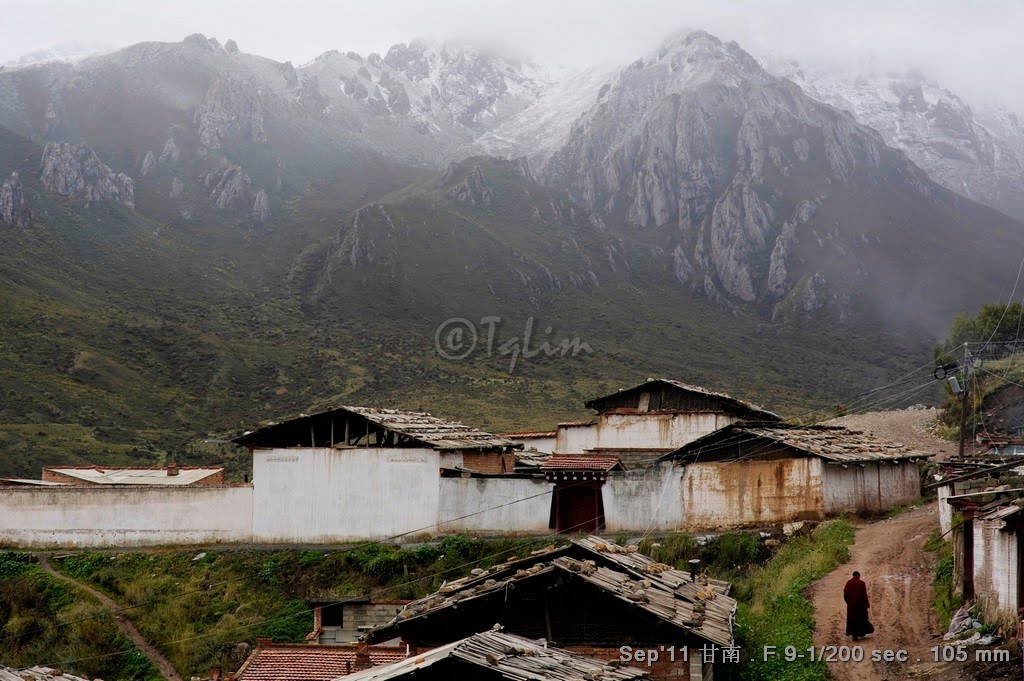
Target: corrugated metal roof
99,475
729,399
34,483
832,443
420,427
310,662
512,657
36,674
702,608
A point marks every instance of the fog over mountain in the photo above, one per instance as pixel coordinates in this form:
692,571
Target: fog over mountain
972,48
251,221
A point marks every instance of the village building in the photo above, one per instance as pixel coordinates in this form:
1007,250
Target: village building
767,473
312,662
589,597
345,620
660,415
362,472
166,476
662,456
496,656
988,552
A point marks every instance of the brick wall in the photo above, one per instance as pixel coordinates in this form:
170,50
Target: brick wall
489,462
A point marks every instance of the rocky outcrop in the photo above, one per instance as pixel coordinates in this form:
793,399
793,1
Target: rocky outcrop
230,188
148,163
231,108
261,207
396,94
75,170
473,190
177,187
13,210
170,153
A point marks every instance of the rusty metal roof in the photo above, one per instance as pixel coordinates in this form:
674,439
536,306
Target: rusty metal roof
700,607
511,657
419,427
832,443
735,402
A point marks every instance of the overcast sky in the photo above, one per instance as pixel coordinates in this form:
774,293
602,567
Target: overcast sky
975,48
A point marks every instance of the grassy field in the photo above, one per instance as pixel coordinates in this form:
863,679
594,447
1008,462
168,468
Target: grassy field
198,607
773,609
46,622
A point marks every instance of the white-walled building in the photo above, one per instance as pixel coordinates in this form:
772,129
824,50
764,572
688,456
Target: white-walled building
766,473
660,415
359,472
660,456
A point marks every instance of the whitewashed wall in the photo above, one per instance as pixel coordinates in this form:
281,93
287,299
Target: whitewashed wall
721,494
644,499
872,487
995,573
638,431
124,516
327,495
525,505
945,509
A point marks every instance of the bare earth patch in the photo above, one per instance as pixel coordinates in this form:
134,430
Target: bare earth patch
911,427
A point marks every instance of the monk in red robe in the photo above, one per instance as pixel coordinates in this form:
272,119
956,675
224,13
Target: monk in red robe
855,593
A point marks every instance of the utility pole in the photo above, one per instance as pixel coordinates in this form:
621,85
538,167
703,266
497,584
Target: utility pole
965,394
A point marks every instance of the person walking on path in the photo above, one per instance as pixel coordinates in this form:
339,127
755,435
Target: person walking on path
855,593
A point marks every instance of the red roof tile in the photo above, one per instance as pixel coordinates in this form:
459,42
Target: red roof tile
310,662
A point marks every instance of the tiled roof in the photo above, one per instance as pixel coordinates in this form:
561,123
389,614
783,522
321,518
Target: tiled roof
36,674
743,405
702,607
309,662
832,443
510,657
581,462
530,434
101,475
418,427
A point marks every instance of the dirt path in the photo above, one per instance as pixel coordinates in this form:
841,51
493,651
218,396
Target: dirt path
166,668
890,557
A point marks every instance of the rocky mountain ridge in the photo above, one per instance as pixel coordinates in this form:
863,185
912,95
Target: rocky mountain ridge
938,130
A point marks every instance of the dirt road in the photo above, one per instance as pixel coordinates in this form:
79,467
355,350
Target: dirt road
166,668
890,557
